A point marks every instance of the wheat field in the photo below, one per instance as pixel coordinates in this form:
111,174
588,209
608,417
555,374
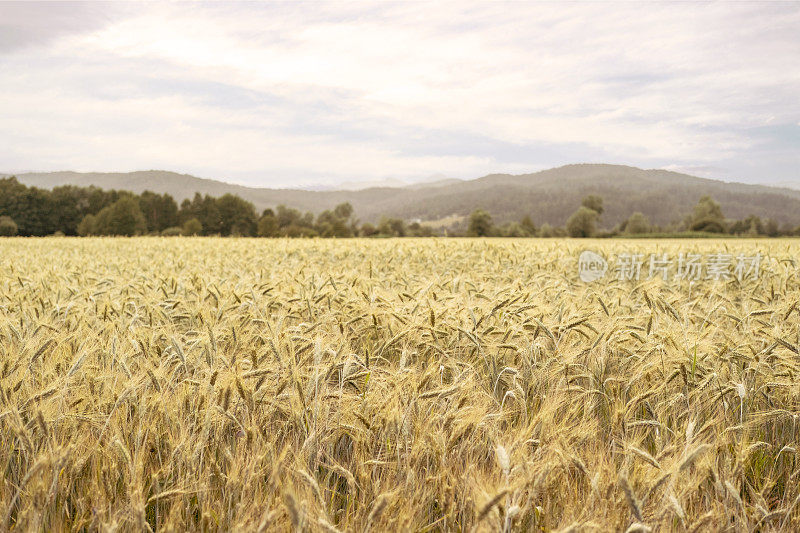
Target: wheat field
393,385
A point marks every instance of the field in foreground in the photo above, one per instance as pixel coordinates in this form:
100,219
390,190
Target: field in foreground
219,384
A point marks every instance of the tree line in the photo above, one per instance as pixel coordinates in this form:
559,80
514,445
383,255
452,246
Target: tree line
89,211
706,218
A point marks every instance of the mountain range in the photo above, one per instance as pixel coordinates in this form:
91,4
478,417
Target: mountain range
548,196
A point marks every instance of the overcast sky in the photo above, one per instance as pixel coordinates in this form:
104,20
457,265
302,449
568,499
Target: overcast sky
289,94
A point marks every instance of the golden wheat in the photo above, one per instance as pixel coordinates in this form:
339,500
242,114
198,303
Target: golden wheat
382,385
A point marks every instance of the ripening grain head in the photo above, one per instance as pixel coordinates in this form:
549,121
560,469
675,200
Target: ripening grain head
259,385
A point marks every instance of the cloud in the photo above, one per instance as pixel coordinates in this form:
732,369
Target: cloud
26,24
279,94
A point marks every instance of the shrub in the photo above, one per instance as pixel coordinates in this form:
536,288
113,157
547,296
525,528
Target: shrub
192,227
173,231
582,222
87,226
8,228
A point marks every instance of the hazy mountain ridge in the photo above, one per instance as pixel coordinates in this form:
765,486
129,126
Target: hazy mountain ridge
547,196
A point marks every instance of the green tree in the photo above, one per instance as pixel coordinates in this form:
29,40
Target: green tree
392,227
514,229
205,210
480,224
288,216
192,227
336,223
160,211
368,230
750,225
583,222
268,224
237,216
31,208
636,224
528,226
8,228
707,216
593,202
771,228
343,211
71,204
87,226
123,217
293,223
415,229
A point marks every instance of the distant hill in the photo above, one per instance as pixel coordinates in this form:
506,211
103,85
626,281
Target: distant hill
437,180
436,183
180,186
359,185
547,196
790,184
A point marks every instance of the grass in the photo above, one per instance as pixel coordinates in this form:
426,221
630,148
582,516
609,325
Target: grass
379,385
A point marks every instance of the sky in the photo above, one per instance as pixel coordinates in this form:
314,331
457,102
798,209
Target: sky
302,94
